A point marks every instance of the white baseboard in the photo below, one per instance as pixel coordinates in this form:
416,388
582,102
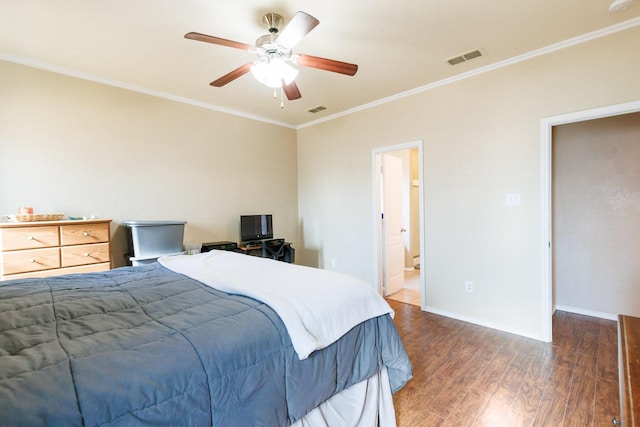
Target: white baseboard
585,312
525,334
482,323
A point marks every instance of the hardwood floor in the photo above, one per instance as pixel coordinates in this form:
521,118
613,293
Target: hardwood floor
468,375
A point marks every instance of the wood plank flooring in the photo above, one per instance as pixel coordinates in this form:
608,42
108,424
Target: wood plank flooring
468,375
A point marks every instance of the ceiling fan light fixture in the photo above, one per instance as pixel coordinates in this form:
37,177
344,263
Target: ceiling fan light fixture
273,67
273,72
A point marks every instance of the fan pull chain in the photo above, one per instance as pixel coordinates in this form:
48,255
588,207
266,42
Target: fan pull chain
281,98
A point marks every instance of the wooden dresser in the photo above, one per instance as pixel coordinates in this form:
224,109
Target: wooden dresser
629,369
50,248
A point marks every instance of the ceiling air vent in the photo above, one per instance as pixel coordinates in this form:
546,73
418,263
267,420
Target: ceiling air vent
317,109
467,56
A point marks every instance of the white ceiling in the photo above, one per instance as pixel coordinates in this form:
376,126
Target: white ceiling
399,46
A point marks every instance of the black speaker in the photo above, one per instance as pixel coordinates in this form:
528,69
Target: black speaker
221,246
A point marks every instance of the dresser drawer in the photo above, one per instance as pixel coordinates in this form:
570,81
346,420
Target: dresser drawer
29,238
85,254
89,268
80,234
30,260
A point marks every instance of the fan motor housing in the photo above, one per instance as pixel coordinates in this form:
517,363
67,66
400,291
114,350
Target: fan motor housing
273,21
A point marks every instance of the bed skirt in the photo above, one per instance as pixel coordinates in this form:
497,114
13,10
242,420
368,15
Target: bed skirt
368,403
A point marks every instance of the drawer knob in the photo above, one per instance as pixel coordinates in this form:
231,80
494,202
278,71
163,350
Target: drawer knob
86,233
86,254
31,238
32,260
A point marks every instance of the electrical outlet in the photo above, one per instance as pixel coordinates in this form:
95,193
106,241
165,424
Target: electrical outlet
468,286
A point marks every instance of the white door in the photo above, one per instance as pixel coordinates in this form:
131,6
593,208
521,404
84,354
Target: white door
393,250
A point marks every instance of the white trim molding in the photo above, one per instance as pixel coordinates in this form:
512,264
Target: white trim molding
500,64
585,312
135,88
621,26
479,322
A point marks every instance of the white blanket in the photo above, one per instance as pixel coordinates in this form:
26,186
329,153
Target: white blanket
316,306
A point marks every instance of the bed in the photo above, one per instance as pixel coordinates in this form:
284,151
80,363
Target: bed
219,339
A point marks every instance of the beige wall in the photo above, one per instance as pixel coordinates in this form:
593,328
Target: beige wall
482,139
82,148
596,215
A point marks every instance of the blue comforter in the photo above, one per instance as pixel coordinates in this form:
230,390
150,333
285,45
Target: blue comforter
146,346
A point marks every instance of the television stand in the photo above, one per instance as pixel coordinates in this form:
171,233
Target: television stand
276,249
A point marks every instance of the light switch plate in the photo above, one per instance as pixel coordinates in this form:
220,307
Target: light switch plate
513,199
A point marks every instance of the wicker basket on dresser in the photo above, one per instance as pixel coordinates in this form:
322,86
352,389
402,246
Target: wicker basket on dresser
50,248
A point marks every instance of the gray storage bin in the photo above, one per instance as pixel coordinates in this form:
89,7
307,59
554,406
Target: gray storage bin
150,239
140,261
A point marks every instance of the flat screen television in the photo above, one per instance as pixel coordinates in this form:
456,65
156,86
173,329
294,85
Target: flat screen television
255,227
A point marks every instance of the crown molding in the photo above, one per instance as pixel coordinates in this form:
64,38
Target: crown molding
622,26
135,88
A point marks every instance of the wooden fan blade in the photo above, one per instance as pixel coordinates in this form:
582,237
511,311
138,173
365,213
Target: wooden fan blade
300,25
217,40
229,77
292,91
327,64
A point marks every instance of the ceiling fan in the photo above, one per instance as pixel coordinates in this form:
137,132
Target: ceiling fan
273,66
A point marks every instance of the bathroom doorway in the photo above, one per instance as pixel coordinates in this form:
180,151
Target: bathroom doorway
398,218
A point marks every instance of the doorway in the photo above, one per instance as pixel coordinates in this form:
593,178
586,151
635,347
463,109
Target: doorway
596,216
548,301
398,222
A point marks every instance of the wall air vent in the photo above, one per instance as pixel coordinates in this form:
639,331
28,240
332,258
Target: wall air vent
467,56
317,109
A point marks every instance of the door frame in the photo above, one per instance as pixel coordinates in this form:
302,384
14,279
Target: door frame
377,267
546,129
